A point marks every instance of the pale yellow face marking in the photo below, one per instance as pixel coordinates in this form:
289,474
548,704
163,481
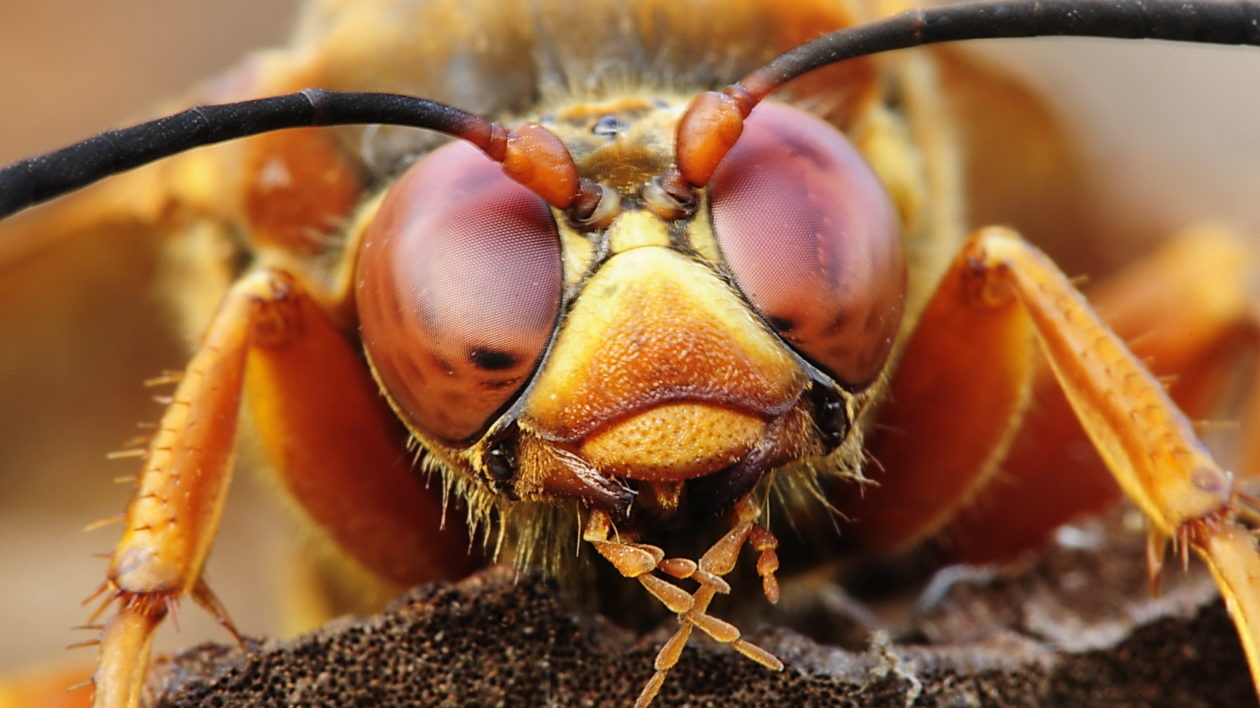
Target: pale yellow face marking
634,229
700,232
576,252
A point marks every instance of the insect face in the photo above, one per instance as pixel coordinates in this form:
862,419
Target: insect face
504,335
690,312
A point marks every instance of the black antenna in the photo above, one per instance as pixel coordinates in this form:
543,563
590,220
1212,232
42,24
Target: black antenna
1200,21
38,179
713,122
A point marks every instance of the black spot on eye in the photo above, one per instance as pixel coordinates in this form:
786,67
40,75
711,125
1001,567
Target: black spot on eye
781,324
491,360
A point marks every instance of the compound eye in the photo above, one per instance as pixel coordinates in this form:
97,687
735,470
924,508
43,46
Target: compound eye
458,290
812,239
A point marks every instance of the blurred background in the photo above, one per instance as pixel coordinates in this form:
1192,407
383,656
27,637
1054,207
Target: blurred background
80,327
1172,130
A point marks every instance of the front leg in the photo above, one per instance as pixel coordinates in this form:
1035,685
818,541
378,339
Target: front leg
336,450
960,397
172,518
1148,445
1189,310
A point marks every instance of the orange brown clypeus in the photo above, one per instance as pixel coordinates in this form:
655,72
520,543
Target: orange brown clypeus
589,327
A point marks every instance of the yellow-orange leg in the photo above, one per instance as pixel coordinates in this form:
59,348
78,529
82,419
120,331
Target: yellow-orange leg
1190,310
1146,442
174,513
306,382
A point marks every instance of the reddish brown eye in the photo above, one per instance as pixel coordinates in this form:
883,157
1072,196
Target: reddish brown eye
812,239
458,290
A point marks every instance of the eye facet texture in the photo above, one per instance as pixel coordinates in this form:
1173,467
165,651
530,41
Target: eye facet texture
812,240
458,289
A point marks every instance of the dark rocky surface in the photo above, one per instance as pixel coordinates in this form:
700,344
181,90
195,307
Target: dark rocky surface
1076,627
